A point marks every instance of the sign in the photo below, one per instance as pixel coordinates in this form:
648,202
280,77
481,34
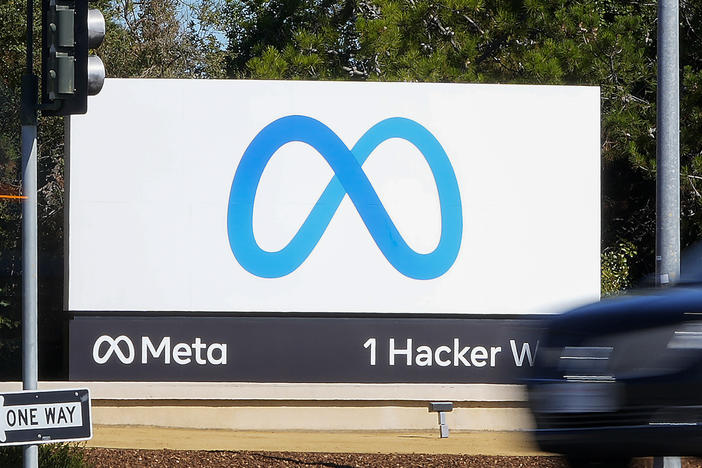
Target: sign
316,197
303,349
35,417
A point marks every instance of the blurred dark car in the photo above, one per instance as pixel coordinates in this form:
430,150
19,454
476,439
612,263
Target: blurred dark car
622,378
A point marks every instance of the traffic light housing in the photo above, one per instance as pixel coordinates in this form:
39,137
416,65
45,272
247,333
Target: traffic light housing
69,73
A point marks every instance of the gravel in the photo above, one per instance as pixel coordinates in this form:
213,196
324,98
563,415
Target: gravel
114,458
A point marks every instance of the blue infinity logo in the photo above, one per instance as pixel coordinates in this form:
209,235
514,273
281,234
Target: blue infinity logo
349,179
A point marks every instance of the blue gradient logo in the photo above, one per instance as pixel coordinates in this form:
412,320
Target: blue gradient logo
349,179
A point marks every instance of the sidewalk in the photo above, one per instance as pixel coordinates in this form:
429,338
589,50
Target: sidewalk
468,443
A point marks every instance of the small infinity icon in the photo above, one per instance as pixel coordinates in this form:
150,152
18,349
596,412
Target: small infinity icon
349,179
113,348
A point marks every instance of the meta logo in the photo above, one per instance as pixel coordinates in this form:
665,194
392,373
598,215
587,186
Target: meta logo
349,179
123,349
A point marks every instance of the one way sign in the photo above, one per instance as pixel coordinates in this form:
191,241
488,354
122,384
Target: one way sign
45,416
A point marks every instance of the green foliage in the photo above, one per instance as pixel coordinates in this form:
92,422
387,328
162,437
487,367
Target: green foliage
290,39
615,265
59,455
161,39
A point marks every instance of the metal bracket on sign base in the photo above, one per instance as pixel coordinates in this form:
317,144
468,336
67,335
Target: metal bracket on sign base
441,407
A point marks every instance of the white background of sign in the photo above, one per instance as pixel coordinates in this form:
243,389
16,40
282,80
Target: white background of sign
151,167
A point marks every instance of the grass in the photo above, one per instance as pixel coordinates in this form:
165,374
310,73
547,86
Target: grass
59,455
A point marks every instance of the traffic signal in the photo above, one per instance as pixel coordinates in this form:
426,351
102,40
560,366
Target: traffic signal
69,73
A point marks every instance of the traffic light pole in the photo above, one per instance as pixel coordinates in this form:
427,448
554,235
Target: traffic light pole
68,33
28,116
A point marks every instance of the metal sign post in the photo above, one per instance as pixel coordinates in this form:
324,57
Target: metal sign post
29,229
29,271
668,146
668,159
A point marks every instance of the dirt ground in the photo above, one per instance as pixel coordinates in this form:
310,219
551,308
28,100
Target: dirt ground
428,442
148,446
114,458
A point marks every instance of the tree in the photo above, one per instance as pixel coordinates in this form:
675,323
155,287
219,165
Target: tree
162,39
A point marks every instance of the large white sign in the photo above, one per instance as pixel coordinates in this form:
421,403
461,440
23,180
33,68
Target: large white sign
190,195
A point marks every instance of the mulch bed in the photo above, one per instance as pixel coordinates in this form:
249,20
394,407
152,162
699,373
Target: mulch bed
114,458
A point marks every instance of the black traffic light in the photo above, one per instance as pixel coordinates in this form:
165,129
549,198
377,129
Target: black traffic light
69,73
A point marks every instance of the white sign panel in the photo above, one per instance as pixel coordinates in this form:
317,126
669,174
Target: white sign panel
45,416
220,196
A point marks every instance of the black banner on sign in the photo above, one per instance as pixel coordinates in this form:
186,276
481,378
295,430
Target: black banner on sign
302,349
